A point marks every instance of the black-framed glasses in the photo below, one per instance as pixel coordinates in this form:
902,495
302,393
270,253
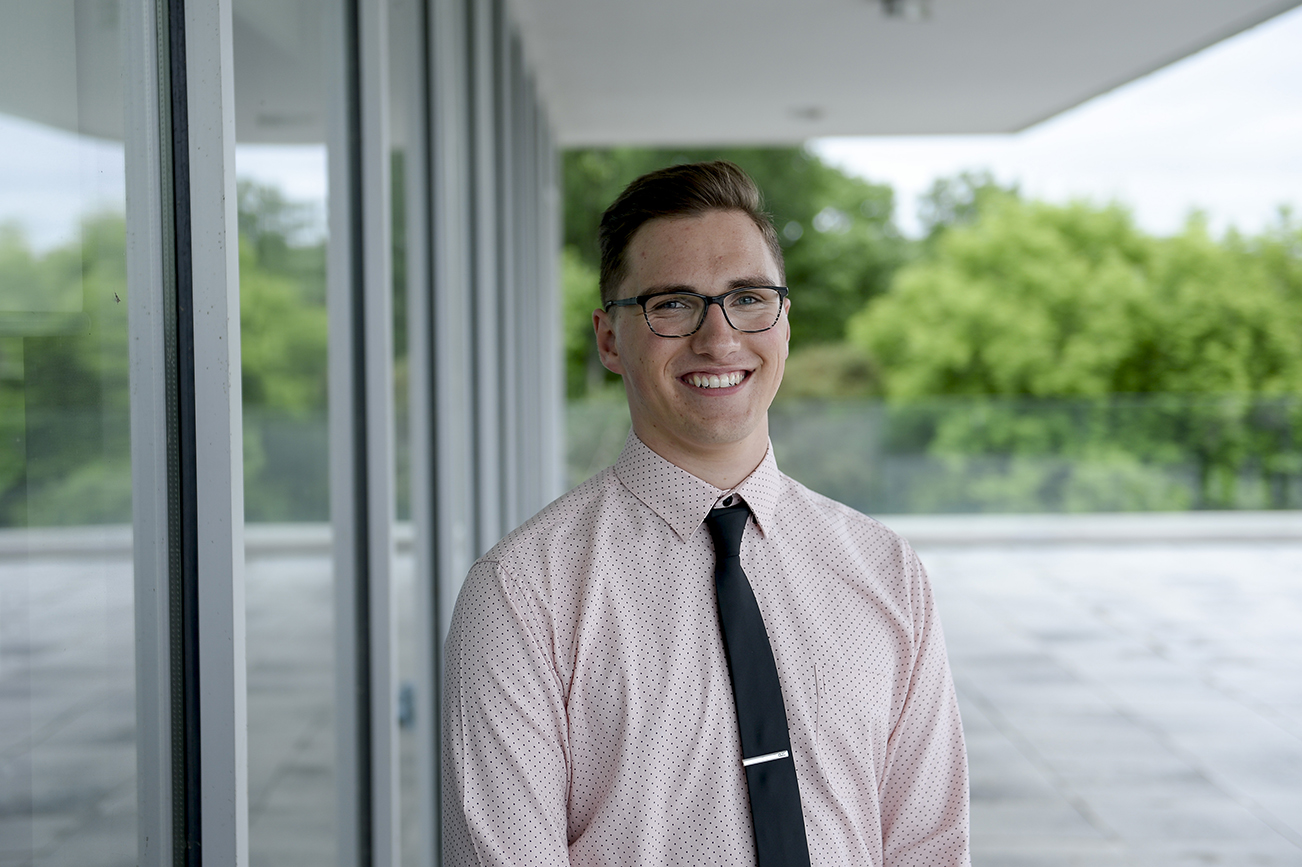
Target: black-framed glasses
749,309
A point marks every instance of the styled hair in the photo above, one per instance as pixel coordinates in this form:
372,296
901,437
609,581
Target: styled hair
678,191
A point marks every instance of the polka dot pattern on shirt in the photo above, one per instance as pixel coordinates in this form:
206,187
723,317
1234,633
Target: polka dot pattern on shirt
589,717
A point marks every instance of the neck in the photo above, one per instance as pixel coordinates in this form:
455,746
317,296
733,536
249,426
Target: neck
724,465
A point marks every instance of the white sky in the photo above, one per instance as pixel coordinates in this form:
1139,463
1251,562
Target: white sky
49,179
1220,131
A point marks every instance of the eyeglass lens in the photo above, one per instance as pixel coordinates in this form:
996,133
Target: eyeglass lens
677,315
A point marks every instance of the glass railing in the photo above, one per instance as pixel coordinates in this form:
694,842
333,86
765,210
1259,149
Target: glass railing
1122,453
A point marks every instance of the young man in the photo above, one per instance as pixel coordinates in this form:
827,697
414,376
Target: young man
610,685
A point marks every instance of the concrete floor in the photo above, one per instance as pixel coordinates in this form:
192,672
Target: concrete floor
1132,703
1135,704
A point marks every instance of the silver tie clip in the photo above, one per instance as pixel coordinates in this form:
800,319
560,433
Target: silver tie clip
767,757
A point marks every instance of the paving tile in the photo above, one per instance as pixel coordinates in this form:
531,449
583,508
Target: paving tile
1148,693
1136,705
1048,852
994,823
1181,817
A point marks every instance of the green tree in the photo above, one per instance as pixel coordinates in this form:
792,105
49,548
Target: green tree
282,303
64,397
283,325
1073,300
957,201
1019,299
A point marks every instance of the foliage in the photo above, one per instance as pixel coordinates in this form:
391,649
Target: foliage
829,371
64,394
992,454
283,330
957,201
583,370
1018,299
839,241
282,304
63,389
1053,300
283,336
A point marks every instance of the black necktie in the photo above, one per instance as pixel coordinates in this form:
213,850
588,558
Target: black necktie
761,716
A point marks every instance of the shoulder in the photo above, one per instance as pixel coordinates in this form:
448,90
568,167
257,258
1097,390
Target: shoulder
848,542
558,541
573,517
800,506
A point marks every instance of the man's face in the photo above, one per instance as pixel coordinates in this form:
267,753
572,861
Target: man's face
671,412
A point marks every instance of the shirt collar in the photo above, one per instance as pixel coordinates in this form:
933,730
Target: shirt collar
681,499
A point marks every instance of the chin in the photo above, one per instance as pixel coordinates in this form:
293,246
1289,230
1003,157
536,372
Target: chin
724,433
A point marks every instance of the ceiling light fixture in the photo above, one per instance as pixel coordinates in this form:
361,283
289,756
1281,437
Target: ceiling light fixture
907,10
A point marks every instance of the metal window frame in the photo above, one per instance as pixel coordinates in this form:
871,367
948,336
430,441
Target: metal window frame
187,471
450,357
511,371
361,419
486,314
219,436
149,431
410,22
551,420
531,295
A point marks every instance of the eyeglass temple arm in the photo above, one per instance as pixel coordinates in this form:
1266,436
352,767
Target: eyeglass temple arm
621,302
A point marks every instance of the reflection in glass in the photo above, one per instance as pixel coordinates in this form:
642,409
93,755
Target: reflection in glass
405,114
406,120
282,180
67,690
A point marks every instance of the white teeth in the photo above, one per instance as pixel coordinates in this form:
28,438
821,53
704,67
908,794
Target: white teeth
711,380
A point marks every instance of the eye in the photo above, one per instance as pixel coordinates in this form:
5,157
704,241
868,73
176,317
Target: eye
668,303
747,297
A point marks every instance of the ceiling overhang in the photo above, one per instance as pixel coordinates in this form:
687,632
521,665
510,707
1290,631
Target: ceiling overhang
680,72
684,72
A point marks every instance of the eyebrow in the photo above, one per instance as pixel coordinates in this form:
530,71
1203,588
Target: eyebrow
735,283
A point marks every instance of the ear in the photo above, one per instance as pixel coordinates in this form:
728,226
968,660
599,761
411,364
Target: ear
607,345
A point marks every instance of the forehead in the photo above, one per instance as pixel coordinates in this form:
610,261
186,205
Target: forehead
701,252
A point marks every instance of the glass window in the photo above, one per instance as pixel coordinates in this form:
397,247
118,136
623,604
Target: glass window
281,174
406,113
67,650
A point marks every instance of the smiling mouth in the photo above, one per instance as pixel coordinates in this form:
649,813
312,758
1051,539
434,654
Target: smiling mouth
712,380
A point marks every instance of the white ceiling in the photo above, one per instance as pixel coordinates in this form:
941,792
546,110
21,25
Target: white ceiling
682,71
763,71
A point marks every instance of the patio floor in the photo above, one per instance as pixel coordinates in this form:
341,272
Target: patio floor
1136,703
1125,702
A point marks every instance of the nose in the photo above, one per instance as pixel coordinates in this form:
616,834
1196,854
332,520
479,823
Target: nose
715,336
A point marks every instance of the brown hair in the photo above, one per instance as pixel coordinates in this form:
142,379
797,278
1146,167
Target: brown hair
678,191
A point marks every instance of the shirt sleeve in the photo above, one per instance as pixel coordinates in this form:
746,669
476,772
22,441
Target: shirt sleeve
505,765
924,789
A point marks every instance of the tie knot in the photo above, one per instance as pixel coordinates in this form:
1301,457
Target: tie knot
726,526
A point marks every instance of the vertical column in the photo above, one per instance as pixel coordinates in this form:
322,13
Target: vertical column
148,350
552,412
512,360
361,438
486,309
187,438
377,292
214,316
523,282
410,65
452,309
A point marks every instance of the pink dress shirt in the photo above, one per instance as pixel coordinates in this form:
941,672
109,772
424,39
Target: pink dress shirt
588,714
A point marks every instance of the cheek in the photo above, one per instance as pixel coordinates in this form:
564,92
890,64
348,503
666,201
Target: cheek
639,359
